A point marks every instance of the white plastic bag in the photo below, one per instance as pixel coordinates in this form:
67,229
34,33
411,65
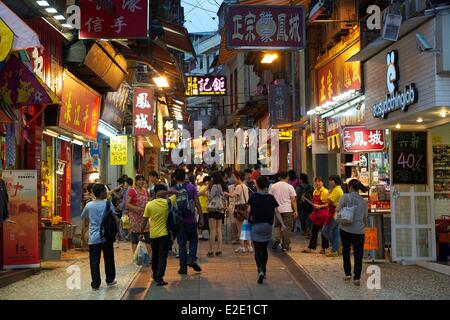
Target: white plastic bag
141,257
246,231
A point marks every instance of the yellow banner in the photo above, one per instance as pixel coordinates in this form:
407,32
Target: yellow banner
47,178
118,151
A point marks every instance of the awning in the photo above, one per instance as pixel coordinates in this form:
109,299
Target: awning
380,44
22,87
176,37
24,36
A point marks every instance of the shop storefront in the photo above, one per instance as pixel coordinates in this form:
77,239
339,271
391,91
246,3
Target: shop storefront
407,92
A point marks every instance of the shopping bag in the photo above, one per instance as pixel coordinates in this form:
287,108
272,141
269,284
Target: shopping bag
141,257
125,221
246,231
345,215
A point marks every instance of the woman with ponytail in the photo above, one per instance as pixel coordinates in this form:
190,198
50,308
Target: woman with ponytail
352,234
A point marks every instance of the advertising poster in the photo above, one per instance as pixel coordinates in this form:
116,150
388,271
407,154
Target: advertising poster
20,240
118,151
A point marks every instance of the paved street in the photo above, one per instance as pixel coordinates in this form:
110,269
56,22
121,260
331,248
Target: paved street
293,276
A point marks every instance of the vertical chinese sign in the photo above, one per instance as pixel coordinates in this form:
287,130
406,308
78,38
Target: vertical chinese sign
115,105
80,108
20,240
279,103
142,111
118,151
359,139
171,137
121,19
47,181
262,27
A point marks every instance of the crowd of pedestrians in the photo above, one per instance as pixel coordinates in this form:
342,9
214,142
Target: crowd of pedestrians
171,211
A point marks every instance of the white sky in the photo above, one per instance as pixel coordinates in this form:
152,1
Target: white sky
201,19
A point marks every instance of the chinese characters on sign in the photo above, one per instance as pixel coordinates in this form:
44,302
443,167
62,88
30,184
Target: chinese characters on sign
171,137
115,105
118,150
339,76
285,134
359,139
47,178
206,86
142,111
277,27
80,108
128,21
320,128
279,104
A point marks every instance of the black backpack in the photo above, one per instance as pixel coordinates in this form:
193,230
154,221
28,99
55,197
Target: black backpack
174,221
109,228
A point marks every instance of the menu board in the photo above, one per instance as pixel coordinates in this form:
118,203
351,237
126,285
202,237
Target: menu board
409,151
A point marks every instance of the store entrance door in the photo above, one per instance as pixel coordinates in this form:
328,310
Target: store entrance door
412,220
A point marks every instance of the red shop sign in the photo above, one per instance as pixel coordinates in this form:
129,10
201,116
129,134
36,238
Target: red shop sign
80,108
266,27
142,111
125,19
360,139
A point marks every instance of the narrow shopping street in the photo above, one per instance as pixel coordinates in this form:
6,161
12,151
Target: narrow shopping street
293,276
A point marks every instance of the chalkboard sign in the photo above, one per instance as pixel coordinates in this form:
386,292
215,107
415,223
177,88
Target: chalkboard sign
409,151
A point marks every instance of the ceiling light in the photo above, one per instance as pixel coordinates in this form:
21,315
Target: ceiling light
443,114
269,58
161,82
179,102
398,126
59,17
66,25
42,3
51,10
419,120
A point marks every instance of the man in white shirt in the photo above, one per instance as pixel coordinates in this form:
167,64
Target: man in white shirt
285,195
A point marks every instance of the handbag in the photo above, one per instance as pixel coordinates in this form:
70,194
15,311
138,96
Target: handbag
246,231
125,220
346,215
241,210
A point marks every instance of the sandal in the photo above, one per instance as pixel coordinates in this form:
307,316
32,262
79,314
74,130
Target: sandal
210,254
307,250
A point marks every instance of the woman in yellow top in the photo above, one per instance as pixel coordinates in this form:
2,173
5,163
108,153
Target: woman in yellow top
203,188
319,216
331,229
156,213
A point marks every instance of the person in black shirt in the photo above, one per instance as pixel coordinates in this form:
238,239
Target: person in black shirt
249,181
262,210
304,193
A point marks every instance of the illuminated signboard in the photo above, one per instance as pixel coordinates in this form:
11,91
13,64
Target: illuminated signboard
206,85
284,134
171,136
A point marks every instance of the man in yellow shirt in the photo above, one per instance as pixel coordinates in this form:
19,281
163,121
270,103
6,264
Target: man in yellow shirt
331,228
157,212
203,188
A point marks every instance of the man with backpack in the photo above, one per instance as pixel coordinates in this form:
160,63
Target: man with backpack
102,234
186,203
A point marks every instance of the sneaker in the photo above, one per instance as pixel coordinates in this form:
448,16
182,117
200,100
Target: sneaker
210,254
240,249
260,277
182,271
112,283
332,254
218,253
357,282
347,278
195,266
307,250
95,289
275,245
322,251
162,283
285,249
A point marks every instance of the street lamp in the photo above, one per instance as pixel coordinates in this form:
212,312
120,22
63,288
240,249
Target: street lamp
269,58
161,82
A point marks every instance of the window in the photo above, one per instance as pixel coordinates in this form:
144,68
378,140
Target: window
207,63
201,62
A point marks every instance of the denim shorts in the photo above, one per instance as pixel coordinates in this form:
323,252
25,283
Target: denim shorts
135,237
